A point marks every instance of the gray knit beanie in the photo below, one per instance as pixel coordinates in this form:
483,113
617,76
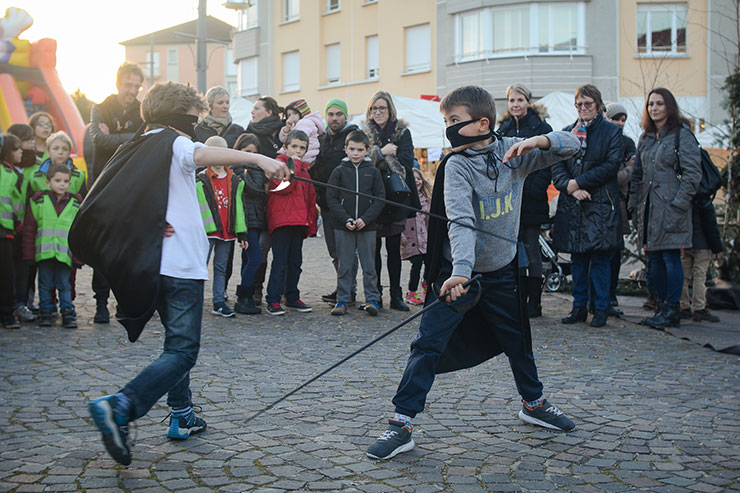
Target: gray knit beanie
614,109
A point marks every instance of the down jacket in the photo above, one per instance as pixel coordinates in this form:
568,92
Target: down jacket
661,203
414,237
313,125
295,205
535,208
590,225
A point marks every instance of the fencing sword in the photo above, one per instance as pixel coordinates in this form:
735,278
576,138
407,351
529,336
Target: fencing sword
431,305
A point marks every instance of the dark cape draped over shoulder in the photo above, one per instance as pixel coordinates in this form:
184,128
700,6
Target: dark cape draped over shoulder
120,225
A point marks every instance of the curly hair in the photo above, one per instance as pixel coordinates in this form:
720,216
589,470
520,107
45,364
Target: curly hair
167,98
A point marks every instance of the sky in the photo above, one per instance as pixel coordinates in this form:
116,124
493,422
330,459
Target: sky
88,33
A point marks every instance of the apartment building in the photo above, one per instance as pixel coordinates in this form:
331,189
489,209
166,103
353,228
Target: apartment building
322,49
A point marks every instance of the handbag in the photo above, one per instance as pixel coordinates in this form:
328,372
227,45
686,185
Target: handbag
711,180
396,188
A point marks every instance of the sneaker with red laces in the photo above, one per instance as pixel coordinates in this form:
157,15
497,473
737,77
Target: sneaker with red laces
299,306
414,298
275,309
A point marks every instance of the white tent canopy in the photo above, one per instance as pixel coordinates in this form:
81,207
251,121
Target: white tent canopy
241,111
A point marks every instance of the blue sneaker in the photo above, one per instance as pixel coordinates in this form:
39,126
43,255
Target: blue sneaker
372,308
112,421
395,440
181,427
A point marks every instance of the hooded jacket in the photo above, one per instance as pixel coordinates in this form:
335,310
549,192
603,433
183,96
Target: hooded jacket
255,195
314,126
363,178
535,208
294,205
590,225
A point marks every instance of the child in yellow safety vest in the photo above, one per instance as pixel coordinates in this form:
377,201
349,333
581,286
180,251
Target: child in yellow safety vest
221,201
46,226
11,203
59,148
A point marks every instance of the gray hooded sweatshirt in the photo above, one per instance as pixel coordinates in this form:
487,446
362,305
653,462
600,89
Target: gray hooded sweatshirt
483,192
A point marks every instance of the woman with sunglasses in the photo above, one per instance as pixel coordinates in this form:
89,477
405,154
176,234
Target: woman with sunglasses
588,220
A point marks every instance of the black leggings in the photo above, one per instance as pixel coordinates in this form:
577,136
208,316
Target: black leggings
417,262
393,249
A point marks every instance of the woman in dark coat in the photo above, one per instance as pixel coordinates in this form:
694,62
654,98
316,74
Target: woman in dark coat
661,202
524,119
588,220
218,120
392,152
266,124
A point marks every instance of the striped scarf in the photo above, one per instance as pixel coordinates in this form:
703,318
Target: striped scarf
579,130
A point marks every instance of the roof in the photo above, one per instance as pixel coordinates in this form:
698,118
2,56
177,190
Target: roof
216,29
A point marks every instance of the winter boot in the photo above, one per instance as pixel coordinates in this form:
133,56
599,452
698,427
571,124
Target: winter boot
245,302
102,316
599,319
397,302
671,317
69,319
534,297
651,303
577,314
651,321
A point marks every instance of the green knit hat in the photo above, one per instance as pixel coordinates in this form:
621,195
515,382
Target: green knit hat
339,104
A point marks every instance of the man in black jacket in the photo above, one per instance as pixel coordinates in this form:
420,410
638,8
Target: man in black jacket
331,153
113,122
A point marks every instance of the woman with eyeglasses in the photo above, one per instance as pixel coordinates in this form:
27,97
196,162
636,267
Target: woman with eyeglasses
588,220
524,119
661,201
392,152
43,127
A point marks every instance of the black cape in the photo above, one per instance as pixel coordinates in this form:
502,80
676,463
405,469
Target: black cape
471,344
120,225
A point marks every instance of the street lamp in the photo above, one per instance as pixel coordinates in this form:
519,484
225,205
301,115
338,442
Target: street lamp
237,4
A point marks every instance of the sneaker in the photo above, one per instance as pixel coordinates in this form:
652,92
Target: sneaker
246,305
23,314
372,308
395,440
44,319
339,309
69,319
299,306
181,427
330,298
223,310
275,309
112,422
704,315
414,298
10,322
547,416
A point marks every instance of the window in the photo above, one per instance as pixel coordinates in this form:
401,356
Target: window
248,17
373,70
661,28
332,5
418,48
291,71
534,28
152,65
248,80
333,63
291,10
230,67
172,69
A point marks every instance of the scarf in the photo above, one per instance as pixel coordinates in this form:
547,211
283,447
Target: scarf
382,136
267,126
580,131
217,123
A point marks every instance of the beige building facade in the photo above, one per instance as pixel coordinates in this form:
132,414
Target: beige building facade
323,49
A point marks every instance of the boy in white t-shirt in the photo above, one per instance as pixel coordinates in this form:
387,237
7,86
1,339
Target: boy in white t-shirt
183,271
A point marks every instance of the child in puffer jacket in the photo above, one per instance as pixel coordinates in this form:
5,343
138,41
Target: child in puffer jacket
299,117
414,238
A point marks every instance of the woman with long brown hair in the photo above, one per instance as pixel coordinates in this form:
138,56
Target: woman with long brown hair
661,199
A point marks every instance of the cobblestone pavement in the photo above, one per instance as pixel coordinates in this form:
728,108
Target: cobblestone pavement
653,412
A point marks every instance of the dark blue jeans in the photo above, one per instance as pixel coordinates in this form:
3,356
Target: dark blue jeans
54,274
287,258
667,274
251,258
180,308
595,269
499,304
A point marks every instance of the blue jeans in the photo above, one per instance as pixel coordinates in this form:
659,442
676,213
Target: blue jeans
54,274
251,258
287,258
221,249
180,308
500,306
594,267
667,274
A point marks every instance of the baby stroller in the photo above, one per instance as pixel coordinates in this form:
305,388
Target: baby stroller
554,268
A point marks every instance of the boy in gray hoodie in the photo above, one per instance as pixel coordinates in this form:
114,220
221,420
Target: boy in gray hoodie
478,186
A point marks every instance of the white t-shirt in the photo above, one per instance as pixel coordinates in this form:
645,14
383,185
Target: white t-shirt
185,253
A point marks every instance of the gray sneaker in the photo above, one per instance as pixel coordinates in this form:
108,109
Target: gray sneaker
547,416
23,314
393,441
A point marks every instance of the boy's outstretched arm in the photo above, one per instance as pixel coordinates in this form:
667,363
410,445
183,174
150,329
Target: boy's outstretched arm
216,156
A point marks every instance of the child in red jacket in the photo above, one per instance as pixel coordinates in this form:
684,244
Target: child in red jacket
291,216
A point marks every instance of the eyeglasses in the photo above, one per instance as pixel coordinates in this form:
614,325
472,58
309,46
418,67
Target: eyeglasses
44,124
378,109
585,104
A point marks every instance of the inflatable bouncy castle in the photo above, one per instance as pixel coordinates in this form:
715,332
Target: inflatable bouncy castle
29,81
